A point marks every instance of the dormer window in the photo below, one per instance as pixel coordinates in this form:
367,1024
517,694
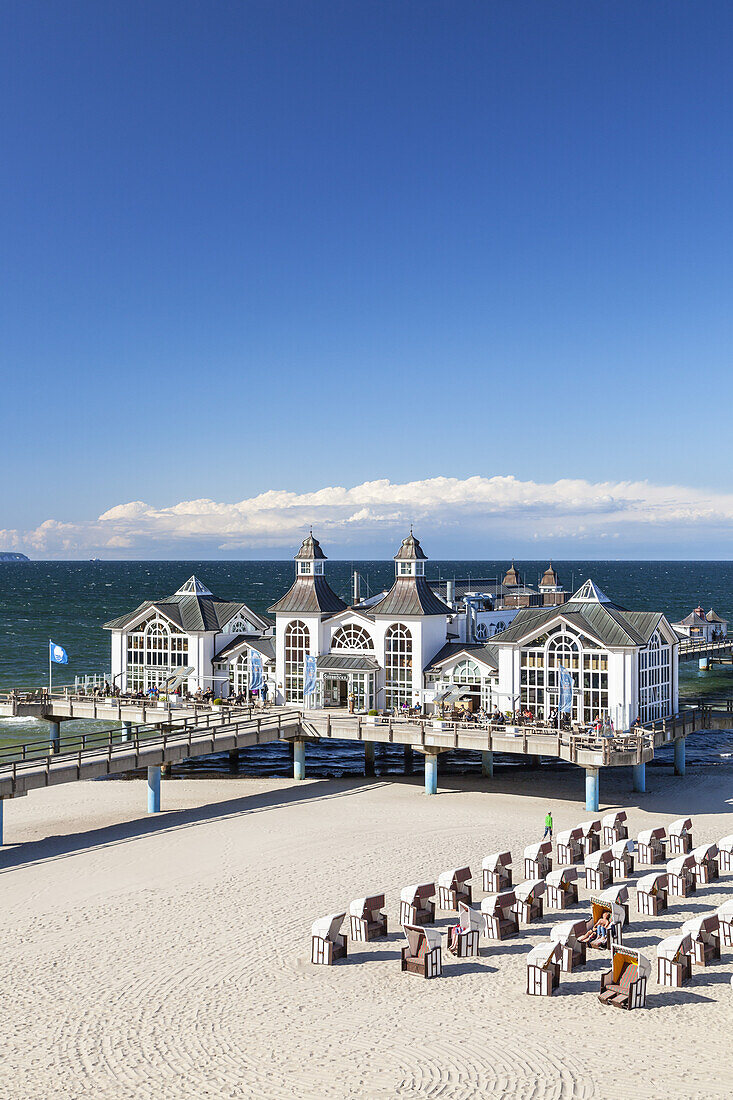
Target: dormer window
318,568
419,568
405,568
304,568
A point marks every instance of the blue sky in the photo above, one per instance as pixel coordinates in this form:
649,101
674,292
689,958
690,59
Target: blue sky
290,246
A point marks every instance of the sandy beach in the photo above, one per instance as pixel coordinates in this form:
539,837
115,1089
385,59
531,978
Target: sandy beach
168,957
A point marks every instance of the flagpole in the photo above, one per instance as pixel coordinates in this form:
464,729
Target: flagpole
50,667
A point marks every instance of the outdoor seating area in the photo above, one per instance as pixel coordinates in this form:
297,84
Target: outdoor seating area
506,912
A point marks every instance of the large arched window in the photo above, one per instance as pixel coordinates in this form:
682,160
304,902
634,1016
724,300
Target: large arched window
398,666
351,636
155,649
655,681
297,644
466,672
238,625
239,674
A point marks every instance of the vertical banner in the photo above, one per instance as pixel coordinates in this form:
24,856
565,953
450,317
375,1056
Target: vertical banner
565,704
255,671
309,683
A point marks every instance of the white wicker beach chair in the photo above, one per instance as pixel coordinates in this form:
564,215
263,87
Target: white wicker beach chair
725,854
598,870
471,925
619,895
366,918
680,837
622,864
417,904
423,953
567,936
570,846
538,859
650,846
704,935
562,888
500,919
614,828
681,876
706,863
529,906
651,894
497,872
454,886
724,914
624,985
543,969
327,945
599,906
591,836
673,960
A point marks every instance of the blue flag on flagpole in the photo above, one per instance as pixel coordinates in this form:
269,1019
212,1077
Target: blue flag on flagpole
58,654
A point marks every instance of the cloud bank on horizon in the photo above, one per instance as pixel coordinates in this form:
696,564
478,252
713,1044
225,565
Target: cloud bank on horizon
457,510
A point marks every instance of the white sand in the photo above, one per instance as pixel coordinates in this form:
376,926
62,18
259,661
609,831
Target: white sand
168,957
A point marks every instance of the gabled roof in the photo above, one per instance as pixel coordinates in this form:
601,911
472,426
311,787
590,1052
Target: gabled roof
410,596
265,646
485,654
346,663
605,622
192,610
311,595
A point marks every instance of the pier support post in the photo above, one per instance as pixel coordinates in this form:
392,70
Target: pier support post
592,790
54,736
2,835
703,664
431,773
298,759
487,764
234,761
368,758
639,773
679,756
126,730
154,789
408,759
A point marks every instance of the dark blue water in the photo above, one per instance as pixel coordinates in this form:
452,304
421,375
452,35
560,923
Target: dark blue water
69,601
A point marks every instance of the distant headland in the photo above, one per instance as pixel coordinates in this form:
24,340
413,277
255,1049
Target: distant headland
5,555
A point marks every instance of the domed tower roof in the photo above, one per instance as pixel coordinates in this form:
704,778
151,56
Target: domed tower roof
549,579
310,550
410,550
512,578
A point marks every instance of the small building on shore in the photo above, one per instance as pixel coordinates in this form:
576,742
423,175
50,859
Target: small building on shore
702,626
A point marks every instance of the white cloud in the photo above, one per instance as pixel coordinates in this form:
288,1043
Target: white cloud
475,506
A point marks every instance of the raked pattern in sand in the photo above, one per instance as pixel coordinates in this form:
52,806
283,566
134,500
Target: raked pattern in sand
167,958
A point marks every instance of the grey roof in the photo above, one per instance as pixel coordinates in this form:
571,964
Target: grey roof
309,596
265,646
693,619
713,618
190,612
410,550
606,622
486,653
410,596
347,664
310,549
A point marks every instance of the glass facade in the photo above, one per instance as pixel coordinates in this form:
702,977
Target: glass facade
155,650
297,646
398,666
655,680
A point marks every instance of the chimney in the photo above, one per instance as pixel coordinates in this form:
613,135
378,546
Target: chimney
357,586
449,591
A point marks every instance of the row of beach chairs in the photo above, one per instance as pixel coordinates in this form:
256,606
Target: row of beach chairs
698,943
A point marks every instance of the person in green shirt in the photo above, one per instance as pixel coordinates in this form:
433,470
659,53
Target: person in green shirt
548,824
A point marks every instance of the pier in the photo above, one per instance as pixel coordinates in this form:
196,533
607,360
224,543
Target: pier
155,736
707,653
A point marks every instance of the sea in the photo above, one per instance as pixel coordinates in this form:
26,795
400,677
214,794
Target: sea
68,602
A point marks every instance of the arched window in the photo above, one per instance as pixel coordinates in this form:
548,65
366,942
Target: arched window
238,625
297,644
655,680
466,672
239,674
481,632
398,666
499,627
351,636
155,649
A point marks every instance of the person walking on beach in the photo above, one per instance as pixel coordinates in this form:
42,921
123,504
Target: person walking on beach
548,824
